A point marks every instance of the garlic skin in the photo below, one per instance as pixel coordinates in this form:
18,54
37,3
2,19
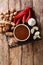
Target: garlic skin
31,21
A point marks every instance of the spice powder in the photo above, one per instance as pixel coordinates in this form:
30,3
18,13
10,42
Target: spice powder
21,32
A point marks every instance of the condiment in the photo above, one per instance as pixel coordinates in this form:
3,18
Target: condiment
21,32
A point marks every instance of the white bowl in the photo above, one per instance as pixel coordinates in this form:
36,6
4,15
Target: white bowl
15,35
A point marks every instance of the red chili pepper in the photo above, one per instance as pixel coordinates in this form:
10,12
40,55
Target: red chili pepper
22,14
29,15
18,21
24,18
15,21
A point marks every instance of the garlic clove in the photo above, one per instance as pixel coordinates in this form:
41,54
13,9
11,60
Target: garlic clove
37,33
39,37
32,31
35,28
31,21
34,37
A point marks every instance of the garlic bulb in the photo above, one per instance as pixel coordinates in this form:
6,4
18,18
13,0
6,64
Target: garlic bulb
31,21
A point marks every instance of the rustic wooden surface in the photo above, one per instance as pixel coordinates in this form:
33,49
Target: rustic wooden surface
30,53
4,55
38,45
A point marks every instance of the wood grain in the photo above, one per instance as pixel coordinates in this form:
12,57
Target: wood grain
3,5
27,54
38,45
15,56
12,4
25,3
17,5
4,55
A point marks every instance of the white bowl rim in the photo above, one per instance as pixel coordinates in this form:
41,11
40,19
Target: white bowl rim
15,35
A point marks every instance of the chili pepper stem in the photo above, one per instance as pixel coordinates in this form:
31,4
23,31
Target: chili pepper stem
23,22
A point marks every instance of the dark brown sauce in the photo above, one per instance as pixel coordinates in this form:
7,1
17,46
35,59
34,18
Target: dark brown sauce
21,32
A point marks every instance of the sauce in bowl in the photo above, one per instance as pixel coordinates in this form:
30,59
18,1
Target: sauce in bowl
22,32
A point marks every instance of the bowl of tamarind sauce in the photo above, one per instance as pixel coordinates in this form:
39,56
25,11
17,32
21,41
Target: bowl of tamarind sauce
21,32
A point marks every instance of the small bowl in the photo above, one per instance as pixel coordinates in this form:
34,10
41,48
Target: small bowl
20,39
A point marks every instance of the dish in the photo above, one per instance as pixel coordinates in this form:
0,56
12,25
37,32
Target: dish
21,32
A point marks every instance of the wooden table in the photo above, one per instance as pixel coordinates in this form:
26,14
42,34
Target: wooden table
30,53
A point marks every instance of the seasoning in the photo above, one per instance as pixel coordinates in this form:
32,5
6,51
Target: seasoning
21,32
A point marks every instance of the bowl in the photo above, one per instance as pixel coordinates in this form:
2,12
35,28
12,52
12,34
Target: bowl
21,32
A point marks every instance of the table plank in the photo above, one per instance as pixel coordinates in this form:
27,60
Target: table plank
15,56
12,4
4,51
3,5
4,55
38,45
27,54
25,3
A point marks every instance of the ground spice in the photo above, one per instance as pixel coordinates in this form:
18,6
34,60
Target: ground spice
21,32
